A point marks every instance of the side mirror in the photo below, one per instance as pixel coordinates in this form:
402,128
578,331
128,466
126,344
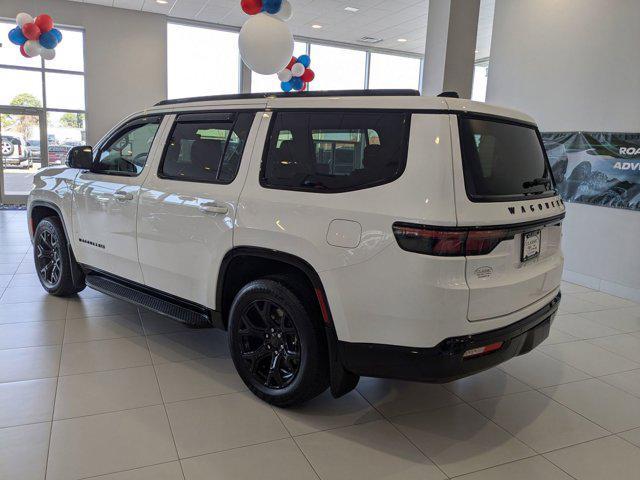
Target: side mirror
80,157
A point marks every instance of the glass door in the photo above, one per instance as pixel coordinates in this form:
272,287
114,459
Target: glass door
23,133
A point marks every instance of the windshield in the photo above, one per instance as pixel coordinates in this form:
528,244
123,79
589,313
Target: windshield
503,161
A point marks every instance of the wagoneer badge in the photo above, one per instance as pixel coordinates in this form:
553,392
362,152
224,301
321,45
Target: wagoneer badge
483,272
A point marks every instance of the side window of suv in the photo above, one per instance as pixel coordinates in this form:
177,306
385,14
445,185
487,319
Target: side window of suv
206,147
335,151
126,152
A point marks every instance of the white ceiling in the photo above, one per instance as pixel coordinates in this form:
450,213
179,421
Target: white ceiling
386,19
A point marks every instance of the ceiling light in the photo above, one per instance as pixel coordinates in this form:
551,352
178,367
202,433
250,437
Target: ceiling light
402,40
162,2
316,26
352,9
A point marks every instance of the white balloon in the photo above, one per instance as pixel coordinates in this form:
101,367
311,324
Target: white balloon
48,53
286,12
298,70
32,48
23,18
266,44
285,75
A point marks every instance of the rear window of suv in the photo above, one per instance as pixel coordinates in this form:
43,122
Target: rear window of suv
330,152
503,160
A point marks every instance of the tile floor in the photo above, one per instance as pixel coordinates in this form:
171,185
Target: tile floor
92,387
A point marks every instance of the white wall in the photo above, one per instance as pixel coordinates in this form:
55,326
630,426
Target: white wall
574,65
125,57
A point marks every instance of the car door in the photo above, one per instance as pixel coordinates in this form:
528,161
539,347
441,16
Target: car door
188,205
106,199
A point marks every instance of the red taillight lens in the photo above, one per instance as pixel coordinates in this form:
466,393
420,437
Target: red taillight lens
476,352
19,150
448,243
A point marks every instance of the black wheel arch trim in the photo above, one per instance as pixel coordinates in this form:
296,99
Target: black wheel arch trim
342,381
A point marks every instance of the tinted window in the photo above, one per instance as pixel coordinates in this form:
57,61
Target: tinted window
335,151
502,160
127,151
206,150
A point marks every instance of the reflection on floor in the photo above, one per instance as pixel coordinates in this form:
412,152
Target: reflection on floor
91,386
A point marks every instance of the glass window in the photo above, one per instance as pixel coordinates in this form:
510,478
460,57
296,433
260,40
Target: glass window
337,68
211,70
10,53
20,87
270,83
65,91
70,53
65,130
394,71
335,151
127,151
480,77
206,150
502,160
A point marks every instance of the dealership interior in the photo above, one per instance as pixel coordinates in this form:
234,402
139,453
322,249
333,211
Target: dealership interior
92,386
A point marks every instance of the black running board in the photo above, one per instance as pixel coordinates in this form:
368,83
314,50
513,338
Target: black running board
155,301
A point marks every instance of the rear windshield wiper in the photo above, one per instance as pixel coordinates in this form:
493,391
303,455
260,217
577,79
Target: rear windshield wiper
536,182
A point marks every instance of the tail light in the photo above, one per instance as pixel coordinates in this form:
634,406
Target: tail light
451,242
19,150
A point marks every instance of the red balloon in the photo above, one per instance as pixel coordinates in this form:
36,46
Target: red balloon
308,75
251,7
44,22
24,54
304,87
293,61
31,31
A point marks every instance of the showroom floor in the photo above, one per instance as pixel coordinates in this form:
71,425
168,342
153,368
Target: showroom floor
90,386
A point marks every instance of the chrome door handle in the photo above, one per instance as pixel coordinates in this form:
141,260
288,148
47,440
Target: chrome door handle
123,196
214,208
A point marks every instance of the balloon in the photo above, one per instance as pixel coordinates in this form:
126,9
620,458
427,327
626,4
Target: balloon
271,6
24,54
286,12
304,60
296,83
285,75
291,63
57,33
48,53
266,44
44,22
17,37
32,48
251,7
31,31
297,70
308,75
286,86
48,40
304,87
23,18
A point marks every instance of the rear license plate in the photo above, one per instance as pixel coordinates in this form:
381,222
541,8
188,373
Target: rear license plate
531,245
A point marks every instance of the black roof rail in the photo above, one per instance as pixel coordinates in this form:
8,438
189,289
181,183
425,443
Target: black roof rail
325,93
449,95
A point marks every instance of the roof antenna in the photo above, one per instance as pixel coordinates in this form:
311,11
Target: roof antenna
449,95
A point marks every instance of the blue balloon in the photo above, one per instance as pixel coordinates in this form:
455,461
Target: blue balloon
286,86
57,33
271,6
17,37
304,60
297,83
48,39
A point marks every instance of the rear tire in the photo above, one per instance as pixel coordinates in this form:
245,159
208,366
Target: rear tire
52,259
278,344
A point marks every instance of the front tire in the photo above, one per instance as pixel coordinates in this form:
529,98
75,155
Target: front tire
52,259
277,344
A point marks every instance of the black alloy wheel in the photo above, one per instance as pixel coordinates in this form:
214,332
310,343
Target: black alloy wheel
269,344
48,258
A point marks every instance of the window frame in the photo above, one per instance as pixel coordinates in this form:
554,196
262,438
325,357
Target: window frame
120,130
267,146
204,115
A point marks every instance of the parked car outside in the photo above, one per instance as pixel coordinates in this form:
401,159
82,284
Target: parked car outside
34,148
58,154
15,152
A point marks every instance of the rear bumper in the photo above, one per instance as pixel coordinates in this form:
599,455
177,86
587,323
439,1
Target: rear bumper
445,362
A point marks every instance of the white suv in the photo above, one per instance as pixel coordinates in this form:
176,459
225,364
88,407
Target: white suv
15,151
333,235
